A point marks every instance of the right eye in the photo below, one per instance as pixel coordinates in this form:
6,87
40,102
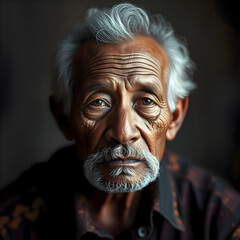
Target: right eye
97,108
99,103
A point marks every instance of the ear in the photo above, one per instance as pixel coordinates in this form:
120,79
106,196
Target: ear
61,118
177,118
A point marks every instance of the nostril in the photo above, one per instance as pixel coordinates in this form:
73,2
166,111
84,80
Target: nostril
134,139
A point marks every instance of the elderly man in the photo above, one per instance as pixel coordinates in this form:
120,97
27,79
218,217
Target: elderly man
122,91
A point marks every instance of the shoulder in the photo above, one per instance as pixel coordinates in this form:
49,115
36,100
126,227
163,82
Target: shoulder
201,180
24,204
202,194
33,206
21,204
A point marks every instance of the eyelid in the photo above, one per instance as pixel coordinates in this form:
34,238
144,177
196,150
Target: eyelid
140,102
151,96
98,95
107,103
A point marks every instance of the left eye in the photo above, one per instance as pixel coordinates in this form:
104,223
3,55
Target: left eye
98,102
146,101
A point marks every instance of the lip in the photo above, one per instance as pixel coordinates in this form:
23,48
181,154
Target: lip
128,162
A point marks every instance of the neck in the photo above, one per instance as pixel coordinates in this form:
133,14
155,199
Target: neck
114,212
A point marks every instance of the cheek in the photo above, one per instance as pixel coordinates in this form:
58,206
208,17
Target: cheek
82,130
158,129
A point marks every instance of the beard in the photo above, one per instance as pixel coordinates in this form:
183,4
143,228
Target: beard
121,179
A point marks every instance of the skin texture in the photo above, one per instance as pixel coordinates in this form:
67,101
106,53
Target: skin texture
119,97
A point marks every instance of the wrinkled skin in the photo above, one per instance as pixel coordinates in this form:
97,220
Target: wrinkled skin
120,96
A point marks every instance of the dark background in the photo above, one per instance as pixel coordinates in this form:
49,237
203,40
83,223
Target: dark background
30,34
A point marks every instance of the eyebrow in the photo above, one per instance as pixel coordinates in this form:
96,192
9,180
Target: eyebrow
149,86
95,86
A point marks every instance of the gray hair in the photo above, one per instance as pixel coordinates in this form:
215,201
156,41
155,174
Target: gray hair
124,22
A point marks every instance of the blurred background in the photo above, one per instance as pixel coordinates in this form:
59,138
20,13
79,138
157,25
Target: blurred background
29,38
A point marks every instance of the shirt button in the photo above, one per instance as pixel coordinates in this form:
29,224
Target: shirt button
142,232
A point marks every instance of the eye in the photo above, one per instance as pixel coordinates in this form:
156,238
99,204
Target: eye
147,107
99,102
97,108
146,101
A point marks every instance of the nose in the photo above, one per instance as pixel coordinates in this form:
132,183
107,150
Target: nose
123,126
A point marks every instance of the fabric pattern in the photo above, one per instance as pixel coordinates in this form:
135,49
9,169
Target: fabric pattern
49,201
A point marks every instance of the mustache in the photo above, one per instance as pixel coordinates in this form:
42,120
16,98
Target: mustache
138,179
117,152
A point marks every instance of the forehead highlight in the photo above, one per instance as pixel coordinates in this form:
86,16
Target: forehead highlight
140,44
141,56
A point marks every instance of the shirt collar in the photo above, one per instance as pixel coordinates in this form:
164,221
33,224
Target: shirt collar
167,201
84,220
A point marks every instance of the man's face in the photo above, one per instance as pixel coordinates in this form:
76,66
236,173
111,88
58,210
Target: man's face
119,99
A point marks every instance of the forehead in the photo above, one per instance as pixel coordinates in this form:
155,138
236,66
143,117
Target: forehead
143,55
92,48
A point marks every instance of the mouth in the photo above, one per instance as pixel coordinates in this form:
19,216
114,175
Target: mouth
129,162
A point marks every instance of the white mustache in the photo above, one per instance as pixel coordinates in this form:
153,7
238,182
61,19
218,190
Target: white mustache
138,180
118,152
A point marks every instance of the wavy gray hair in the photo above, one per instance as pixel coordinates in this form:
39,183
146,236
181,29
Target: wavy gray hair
123,22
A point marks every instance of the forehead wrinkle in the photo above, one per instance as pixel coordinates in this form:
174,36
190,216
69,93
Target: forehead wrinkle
128,56
123,75
124,66
122,70
123,59
125,71
115,61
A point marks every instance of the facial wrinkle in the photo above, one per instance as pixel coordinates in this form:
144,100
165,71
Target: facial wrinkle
120,74
128,56
160,120
122,64
128,60
119,69
106,62
163,118
95,86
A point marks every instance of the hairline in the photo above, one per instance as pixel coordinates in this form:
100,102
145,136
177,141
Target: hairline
180,67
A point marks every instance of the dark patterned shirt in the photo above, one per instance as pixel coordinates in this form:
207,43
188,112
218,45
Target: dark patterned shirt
49,201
